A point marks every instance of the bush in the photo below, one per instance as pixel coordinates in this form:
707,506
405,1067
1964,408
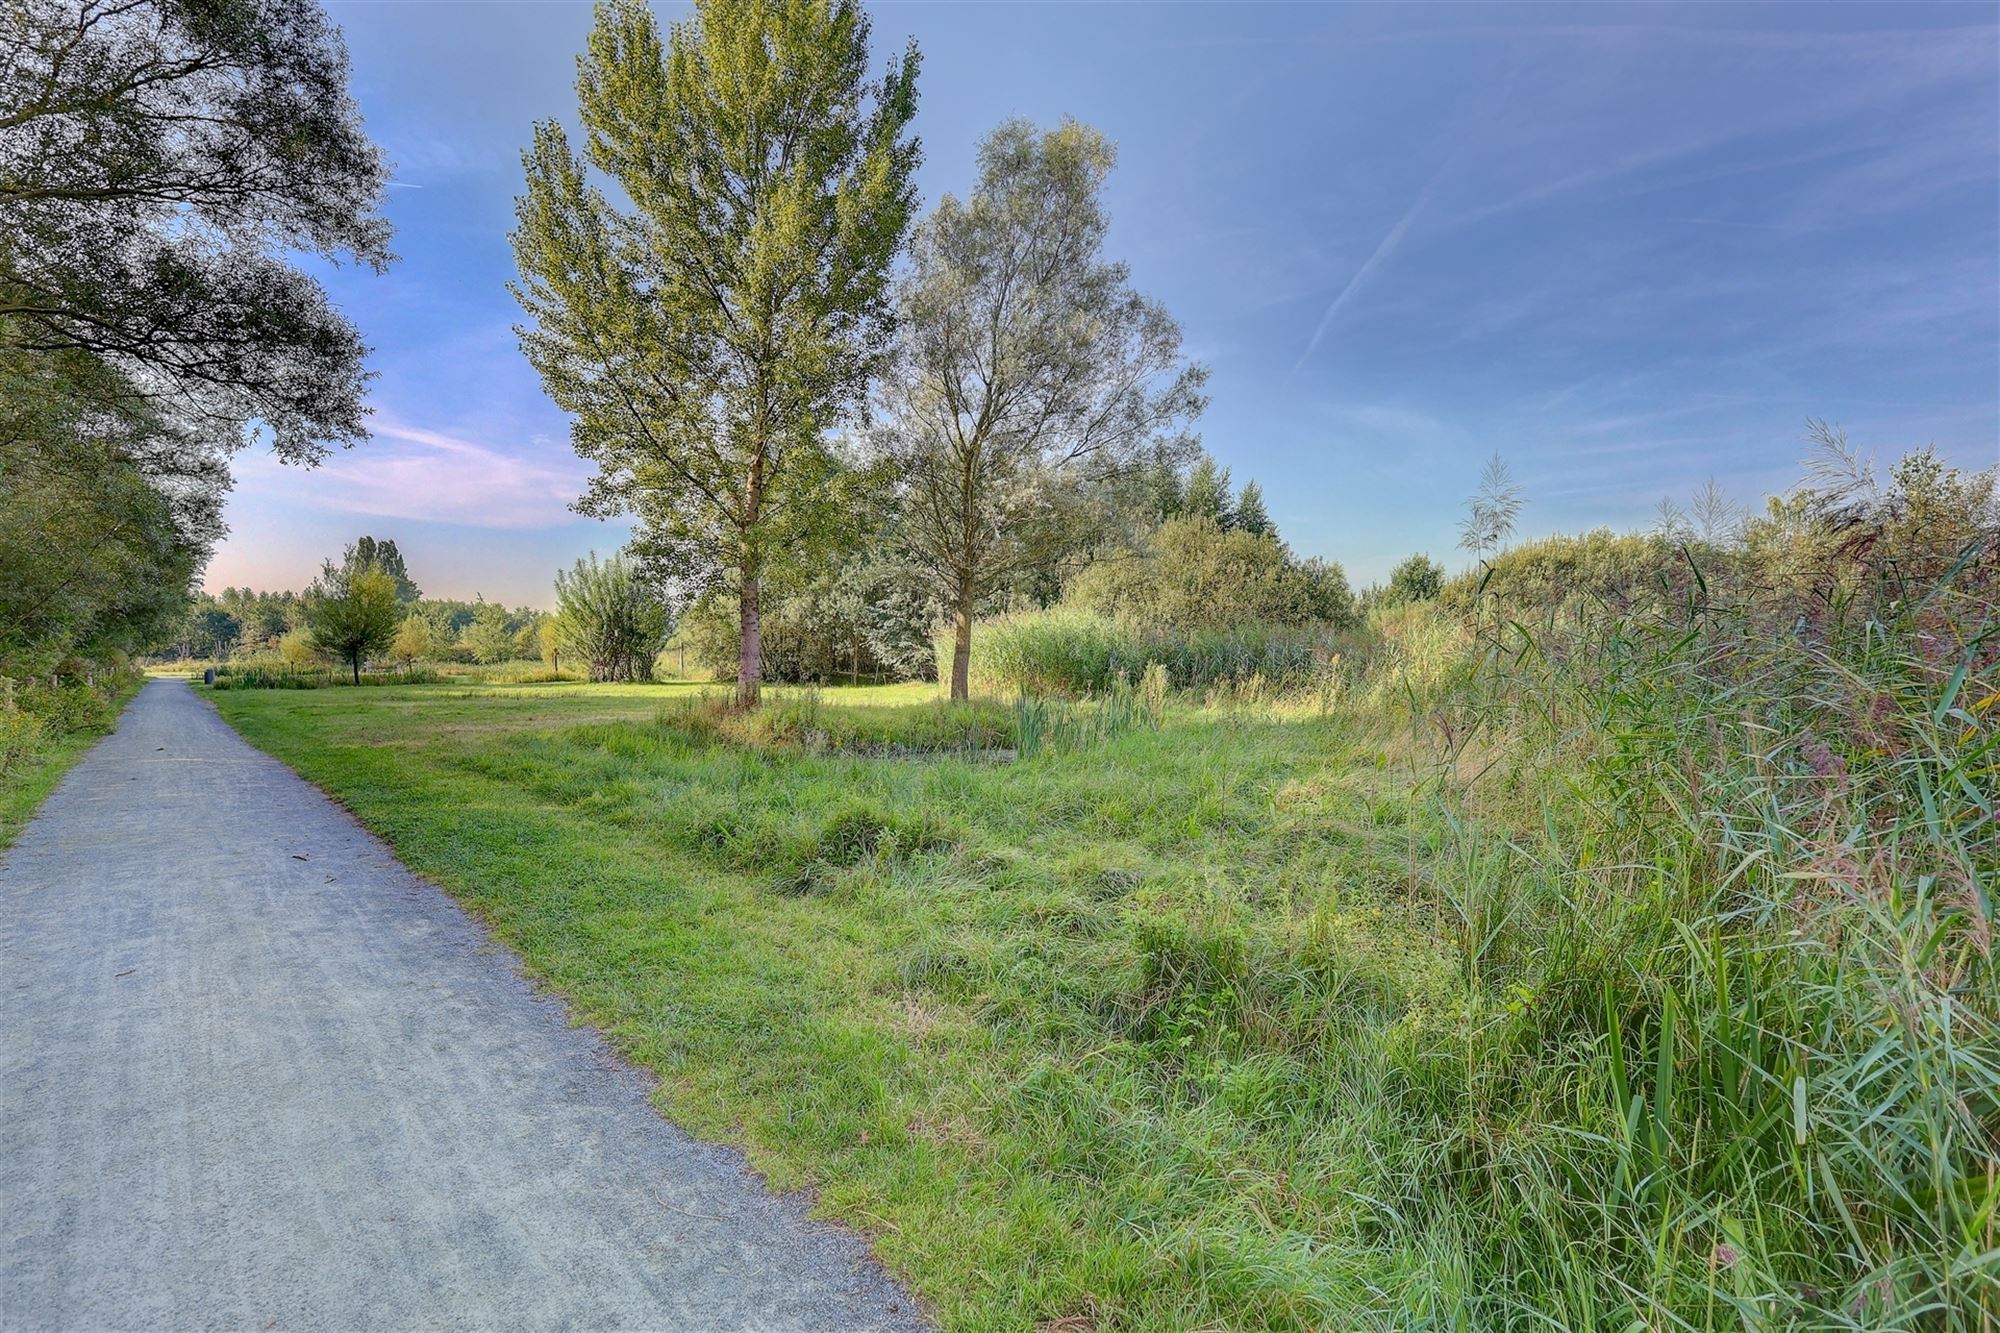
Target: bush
1197,577
296,650
38,713
1622,571
67,707
21,732
609,619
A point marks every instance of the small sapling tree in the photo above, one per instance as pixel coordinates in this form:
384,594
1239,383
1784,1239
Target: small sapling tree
610,617
352,612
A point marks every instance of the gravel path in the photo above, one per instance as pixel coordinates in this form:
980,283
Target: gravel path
256,1074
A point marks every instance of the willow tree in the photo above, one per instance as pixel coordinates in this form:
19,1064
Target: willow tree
1029,372
707,338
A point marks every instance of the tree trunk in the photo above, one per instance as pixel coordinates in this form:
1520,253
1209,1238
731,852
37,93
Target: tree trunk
750,659
357,668
961,648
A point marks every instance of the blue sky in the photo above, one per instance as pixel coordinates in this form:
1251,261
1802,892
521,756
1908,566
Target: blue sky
1629,247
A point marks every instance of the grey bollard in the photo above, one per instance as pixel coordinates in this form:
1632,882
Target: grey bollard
208,676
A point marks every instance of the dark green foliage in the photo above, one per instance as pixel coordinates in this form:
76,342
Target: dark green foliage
866,619
1206,494
103,521
157,159
1249,514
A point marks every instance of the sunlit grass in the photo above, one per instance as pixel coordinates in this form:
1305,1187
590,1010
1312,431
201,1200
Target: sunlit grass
1622,974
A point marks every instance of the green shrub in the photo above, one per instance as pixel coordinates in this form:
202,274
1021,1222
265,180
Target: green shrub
21,732
1622,571
1196,576
69,706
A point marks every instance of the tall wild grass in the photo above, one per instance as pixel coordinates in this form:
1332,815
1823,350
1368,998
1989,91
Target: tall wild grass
1729,874
1067,653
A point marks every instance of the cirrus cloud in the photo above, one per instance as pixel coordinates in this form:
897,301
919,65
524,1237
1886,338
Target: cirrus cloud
413,472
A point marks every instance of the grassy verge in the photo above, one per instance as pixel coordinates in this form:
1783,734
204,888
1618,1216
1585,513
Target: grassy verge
1653,991
994,1013
25,785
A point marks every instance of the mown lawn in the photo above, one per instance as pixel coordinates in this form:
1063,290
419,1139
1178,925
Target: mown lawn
1103,1036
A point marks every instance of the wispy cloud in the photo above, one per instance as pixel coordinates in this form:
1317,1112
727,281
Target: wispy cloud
412,472
1386,247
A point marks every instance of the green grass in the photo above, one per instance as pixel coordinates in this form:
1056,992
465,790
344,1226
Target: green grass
1635,976
28,783
994,1013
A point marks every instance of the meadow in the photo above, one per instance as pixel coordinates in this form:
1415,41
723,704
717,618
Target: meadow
1627,971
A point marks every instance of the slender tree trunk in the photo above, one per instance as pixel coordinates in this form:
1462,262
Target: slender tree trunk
961,648
357,668
750,659
750,645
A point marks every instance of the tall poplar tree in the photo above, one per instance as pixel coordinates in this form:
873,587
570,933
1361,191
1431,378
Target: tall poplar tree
707,338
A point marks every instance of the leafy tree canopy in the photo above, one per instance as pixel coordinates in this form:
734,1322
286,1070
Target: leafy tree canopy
1029,374
707,338
1199,576
155,158
352,613
385,557
1417,579
610,617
